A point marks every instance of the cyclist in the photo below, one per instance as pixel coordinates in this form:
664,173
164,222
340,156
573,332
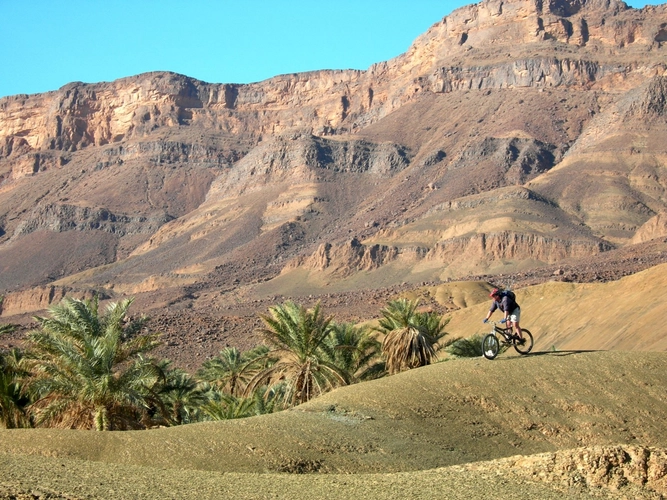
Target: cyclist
506,302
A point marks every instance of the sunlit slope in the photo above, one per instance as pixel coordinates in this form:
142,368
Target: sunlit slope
628,314
508,229
488,231
449,413
619,163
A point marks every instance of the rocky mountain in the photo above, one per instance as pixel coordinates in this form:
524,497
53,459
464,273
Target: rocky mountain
512,136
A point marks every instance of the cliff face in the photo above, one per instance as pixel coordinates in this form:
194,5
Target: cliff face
587,42
41,297
346,259
511,133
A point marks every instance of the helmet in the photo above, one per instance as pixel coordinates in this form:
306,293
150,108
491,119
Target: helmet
494,293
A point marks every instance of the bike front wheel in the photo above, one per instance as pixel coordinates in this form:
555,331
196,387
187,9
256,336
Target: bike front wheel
526,345
490,346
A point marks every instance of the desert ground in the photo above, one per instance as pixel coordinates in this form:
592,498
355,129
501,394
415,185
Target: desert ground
581,416
546,425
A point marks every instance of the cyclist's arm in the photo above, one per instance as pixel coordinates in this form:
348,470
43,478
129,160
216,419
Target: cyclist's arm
494,306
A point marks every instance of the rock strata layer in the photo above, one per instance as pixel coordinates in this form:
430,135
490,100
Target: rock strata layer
511,135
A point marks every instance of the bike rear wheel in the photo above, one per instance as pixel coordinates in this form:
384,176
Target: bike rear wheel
527,345
490,346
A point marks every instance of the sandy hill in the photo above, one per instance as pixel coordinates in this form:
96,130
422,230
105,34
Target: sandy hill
554,423
565,316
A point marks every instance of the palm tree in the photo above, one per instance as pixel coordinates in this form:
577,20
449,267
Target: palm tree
181,394
231,370
302,357
12,401
88,371
434,326
470,347
411,337
223,406
7,328
356,352
269,399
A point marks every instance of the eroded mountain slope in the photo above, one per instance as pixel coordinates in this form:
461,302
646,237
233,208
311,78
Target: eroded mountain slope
509,136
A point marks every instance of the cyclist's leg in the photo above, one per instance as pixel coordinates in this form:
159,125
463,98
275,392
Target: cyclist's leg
515,317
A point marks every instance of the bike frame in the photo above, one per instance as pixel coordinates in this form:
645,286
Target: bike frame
504,334
505,330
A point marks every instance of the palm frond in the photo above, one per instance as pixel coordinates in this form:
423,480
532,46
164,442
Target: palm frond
356,352
470,347
85,372
411,337
231,370
227,407
13,400
300,353
7,328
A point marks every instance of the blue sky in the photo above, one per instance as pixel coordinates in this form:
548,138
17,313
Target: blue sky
48,43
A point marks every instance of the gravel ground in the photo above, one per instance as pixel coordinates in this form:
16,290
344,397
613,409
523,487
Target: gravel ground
43,478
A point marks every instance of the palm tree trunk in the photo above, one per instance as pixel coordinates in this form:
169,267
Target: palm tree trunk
176,415
102,422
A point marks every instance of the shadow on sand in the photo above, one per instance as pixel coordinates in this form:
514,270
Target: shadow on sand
561,353
514,356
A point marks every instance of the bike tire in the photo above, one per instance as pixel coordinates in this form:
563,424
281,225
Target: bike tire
490,346
527,346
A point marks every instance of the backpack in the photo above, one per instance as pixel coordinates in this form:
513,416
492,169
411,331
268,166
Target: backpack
511,303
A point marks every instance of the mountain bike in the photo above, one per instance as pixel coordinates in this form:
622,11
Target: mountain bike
503,335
